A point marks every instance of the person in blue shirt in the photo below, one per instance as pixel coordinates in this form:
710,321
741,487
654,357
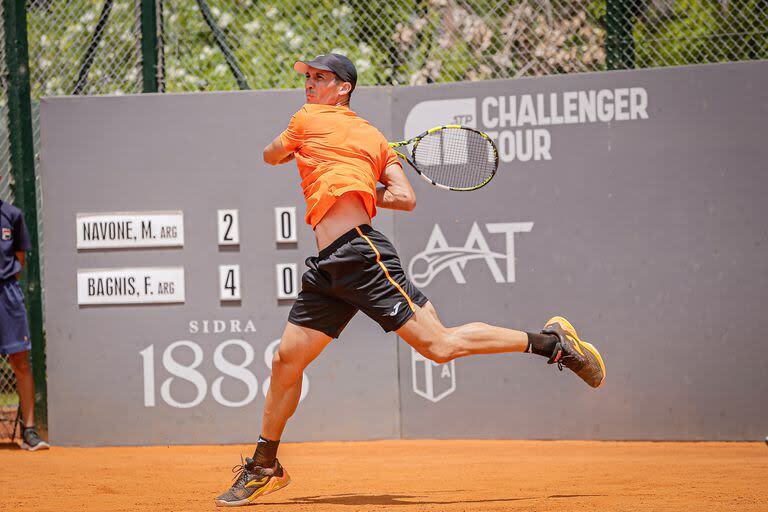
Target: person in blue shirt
14,332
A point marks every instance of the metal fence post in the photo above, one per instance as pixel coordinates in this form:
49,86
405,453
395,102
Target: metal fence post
149,45
90,52
22,158
619,42
221,42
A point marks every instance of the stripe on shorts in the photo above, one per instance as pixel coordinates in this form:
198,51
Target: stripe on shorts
386,272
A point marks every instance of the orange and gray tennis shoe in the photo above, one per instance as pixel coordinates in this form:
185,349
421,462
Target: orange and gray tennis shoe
30,440
580,357
252,482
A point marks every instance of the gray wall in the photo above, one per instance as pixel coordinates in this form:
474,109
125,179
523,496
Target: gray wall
196,153
648,234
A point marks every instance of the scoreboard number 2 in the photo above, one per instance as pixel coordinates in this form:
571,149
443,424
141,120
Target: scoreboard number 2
229,227
229,282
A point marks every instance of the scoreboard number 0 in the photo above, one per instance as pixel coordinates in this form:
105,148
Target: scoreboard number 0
287,285
285,224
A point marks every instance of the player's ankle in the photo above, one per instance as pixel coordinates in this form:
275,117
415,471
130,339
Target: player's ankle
541,344
266,452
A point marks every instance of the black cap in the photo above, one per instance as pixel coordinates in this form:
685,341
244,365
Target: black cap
338,64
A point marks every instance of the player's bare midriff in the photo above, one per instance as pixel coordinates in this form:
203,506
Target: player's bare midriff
347,212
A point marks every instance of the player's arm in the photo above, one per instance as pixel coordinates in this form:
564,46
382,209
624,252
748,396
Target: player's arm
396,193
21,243
20,255
276,154
285,145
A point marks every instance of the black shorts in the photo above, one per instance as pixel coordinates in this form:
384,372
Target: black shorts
358,271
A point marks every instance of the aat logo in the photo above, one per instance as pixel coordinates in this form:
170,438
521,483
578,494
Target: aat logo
431,380
439,255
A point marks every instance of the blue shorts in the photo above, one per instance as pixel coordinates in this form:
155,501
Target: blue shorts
14,332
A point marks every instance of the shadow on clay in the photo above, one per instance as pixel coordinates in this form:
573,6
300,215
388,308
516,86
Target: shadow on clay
9,446
401,499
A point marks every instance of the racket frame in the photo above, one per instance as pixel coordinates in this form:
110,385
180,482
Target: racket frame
415,141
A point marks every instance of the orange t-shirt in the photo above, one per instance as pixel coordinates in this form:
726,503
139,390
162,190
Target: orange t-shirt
336,152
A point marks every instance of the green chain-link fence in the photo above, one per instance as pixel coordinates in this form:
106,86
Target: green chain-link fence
6,192
392,42
404,42
95,46
675,32
83,47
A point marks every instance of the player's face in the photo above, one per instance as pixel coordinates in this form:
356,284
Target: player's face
323,87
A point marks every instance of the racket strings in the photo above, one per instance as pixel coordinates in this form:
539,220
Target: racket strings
456,158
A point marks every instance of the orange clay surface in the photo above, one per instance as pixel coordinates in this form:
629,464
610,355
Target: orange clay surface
399,475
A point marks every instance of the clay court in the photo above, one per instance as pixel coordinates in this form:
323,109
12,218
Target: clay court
401,475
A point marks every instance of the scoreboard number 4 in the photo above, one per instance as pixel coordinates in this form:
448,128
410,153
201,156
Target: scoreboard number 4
229,282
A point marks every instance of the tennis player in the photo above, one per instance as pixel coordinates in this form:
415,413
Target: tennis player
342,160
14,332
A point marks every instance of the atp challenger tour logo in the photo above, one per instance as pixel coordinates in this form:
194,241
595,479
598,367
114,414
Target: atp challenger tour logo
518,124
439,255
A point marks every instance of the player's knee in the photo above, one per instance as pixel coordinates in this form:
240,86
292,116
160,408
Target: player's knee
438,345
442,358
279,364
283,369
440,351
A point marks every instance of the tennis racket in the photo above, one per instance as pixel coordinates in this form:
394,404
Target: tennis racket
452,157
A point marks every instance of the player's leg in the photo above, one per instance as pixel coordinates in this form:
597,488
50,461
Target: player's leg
558,342
263,474
14,341
299,346
429,337
315,319
383,292
25,386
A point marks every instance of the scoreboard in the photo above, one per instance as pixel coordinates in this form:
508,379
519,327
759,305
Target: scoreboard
155,285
